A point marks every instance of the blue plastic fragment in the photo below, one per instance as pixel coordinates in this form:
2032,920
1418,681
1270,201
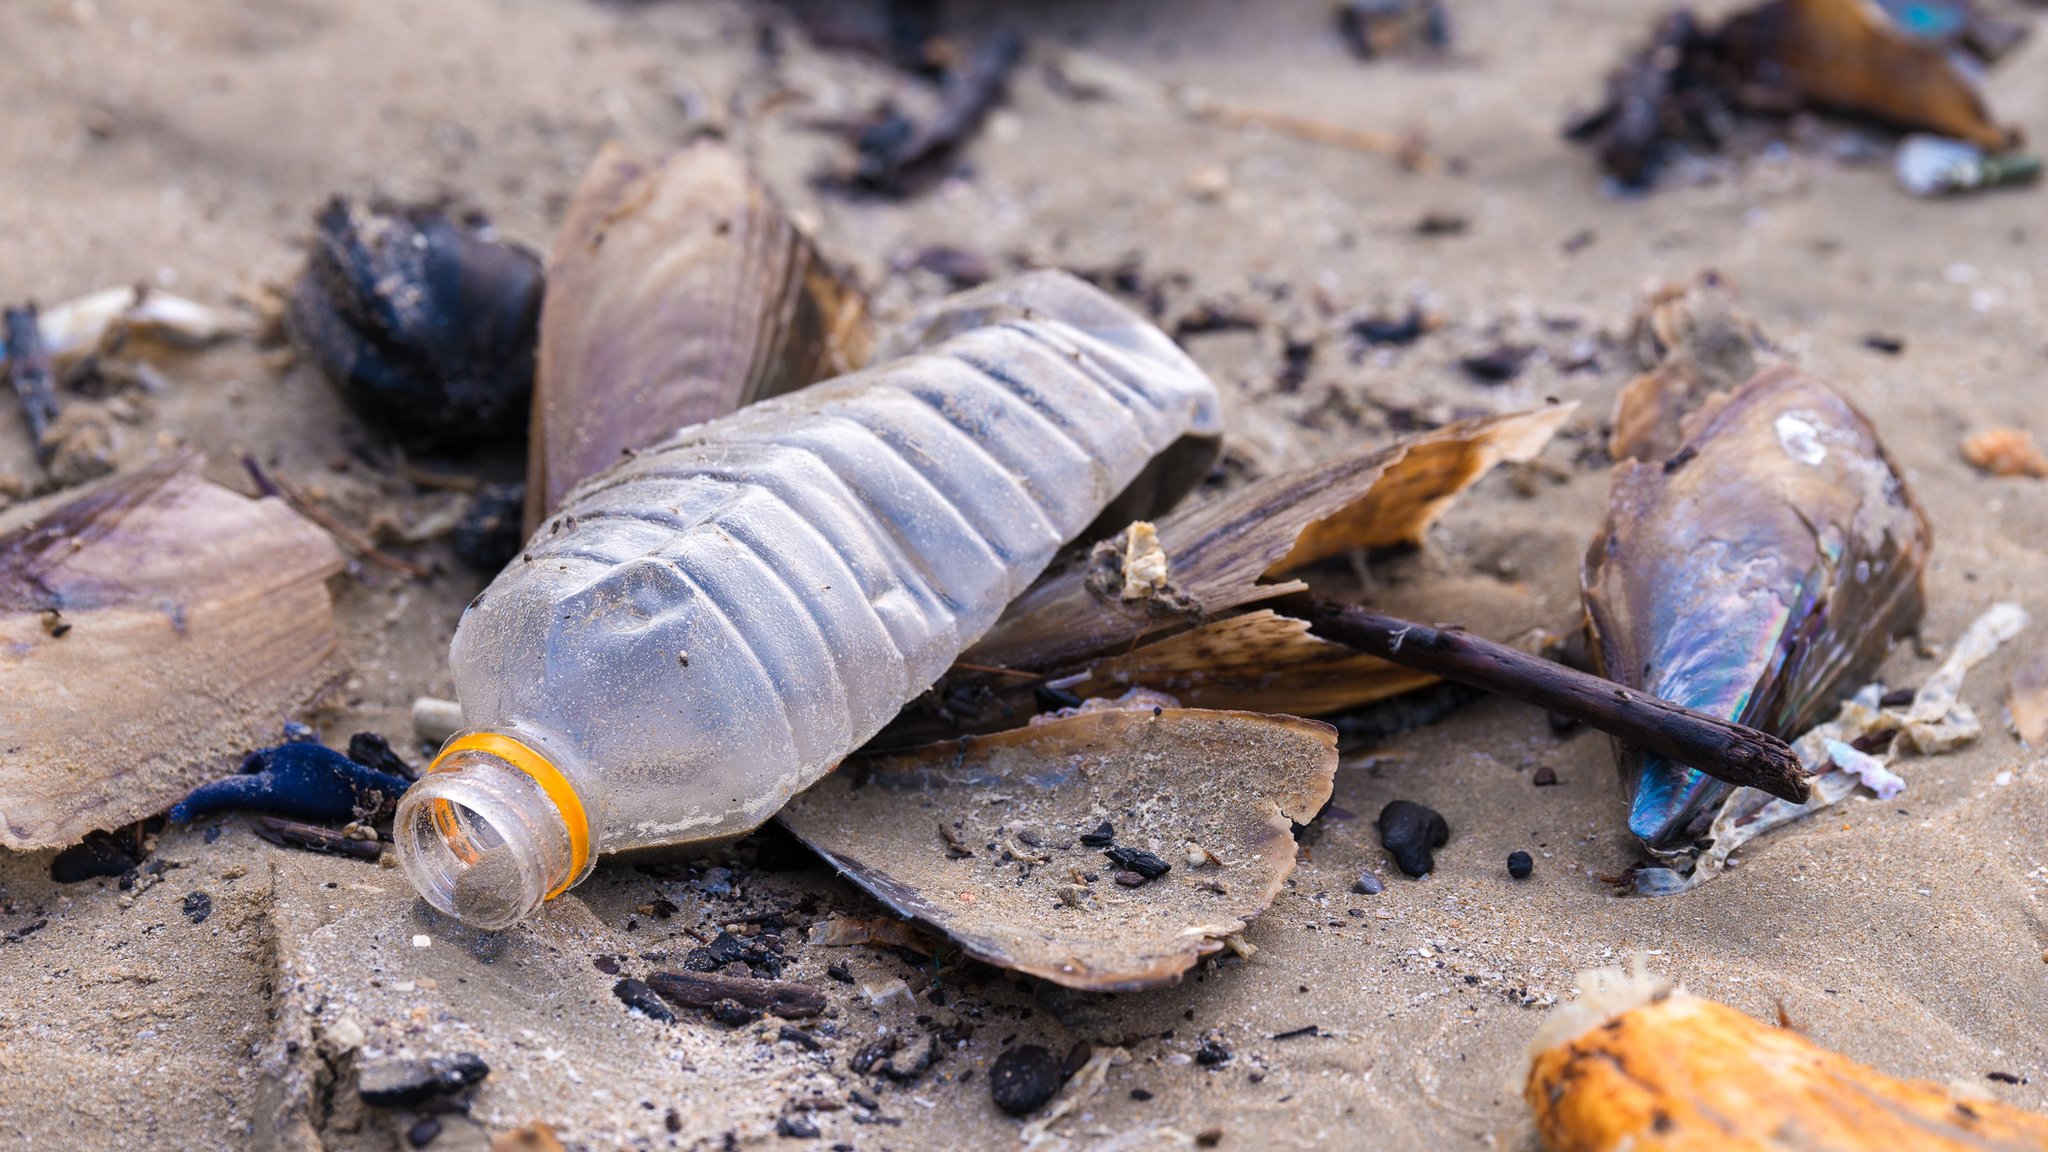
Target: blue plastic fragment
300,779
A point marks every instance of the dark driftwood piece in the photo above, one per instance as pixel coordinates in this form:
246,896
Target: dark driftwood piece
704,989
1721,748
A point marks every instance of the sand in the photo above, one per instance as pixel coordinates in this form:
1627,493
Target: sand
188,145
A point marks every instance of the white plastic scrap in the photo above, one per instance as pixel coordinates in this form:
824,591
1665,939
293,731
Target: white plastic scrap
1936,721
77,327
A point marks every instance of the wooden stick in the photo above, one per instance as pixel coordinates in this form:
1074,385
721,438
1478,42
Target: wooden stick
1721,748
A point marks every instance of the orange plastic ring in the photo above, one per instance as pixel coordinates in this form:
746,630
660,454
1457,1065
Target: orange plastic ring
546,775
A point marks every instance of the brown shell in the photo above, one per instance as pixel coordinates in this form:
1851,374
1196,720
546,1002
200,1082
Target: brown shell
915,829
676,293
1220,552
1850,56
151,632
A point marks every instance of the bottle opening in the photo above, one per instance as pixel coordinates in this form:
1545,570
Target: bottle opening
482,841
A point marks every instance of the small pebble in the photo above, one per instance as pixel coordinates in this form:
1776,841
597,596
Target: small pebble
1140,1095
1545,777
1024,1078
1520,865
1131,880
198,906
422,940
1409,831
1368,884
422,1134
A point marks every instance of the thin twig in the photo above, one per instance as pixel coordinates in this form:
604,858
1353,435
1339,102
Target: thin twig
1720,748
1408,148
272,485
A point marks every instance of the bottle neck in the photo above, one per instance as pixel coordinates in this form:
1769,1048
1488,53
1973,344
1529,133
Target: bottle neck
491,831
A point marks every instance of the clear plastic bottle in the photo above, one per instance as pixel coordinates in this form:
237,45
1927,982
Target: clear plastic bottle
711,625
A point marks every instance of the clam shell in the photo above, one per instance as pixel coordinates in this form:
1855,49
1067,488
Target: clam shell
1758,573
677,292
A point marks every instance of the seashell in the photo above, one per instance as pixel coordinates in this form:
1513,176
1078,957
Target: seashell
1853,56
909,828
1636,1064
425,322
151,631
677,293
1759,573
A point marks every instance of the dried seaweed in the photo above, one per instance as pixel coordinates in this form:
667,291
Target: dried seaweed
1222,786
151,631
677,292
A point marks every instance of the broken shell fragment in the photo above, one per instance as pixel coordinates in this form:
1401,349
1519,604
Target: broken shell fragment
188,619
1634,1064
1233,781
1759,573
424,321
677,292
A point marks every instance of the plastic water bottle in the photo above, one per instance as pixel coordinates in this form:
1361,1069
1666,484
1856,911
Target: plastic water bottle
711,625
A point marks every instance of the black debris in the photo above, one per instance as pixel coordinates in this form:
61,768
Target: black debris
639,996
491,530
1897,698
405,1083
1520,865
1214,1051
422,1134
1885,343
99,854
1103,836
609,965
1138,860
796,1126
1298,1033
896,153
792,1034
839,972
1406,329
1368,884
733,1014
1442,224
198,906
1499,364
2005,1078
725,948
424,320
1024,1079
1140,1095
1409,831
374,752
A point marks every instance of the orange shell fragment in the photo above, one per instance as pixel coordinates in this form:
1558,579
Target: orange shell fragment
1682,1074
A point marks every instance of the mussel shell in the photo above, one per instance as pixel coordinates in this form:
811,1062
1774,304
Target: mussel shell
1759,573
424,321
677,292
